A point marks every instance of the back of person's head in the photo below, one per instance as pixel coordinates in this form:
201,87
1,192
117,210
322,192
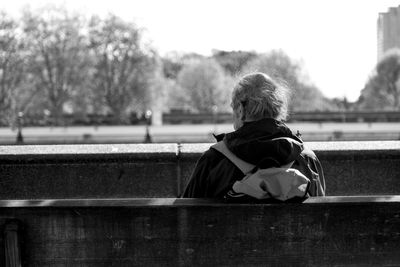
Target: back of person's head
260,97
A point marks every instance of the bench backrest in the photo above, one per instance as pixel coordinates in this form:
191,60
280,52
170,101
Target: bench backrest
193,232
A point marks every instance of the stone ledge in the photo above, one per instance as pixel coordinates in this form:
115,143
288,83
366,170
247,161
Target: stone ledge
90,152
163,170
165,151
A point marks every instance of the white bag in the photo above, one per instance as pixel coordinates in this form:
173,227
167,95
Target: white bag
281,183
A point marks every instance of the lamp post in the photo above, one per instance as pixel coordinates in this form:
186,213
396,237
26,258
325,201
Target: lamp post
147,115
215,117
46,114
20,138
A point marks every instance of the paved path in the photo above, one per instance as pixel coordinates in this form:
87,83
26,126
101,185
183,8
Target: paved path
195,133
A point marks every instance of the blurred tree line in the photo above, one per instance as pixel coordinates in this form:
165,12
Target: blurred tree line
382,90
54,62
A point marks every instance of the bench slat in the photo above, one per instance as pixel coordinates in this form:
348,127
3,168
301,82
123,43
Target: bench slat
195,232
148,202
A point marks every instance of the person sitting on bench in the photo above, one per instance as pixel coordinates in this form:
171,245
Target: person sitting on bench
261,139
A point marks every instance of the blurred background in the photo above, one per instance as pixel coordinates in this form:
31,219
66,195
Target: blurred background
163,71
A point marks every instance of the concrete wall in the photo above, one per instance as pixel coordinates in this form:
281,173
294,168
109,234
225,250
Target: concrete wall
162,170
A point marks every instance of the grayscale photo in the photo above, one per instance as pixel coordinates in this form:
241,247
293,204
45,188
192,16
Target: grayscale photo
199,133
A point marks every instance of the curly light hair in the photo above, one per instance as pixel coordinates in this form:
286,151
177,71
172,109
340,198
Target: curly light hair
261,97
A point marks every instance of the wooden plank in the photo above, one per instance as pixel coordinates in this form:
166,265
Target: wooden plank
12,248
338,231
148,202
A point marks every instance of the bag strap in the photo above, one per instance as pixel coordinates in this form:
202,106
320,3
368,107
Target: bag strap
244,166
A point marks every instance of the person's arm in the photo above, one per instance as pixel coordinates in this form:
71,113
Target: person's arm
312,168
212,177
196,187
322,188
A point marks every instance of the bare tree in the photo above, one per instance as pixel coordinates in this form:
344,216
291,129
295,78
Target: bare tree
123,66
11,67
57,55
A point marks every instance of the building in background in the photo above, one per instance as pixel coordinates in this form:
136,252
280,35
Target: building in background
388,30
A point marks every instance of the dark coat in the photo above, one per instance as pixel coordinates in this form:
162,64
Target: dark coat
214,174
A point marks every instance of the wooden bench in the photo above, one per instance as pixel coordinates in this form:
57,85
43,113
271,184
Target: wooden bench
353,231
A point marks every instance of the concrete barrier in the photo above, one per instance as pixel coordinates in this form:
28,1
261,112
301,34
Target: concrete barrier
330,231
80,171
163,170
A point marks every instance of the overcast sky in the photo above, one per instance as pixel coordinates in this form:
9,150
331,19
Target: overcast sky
334,40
